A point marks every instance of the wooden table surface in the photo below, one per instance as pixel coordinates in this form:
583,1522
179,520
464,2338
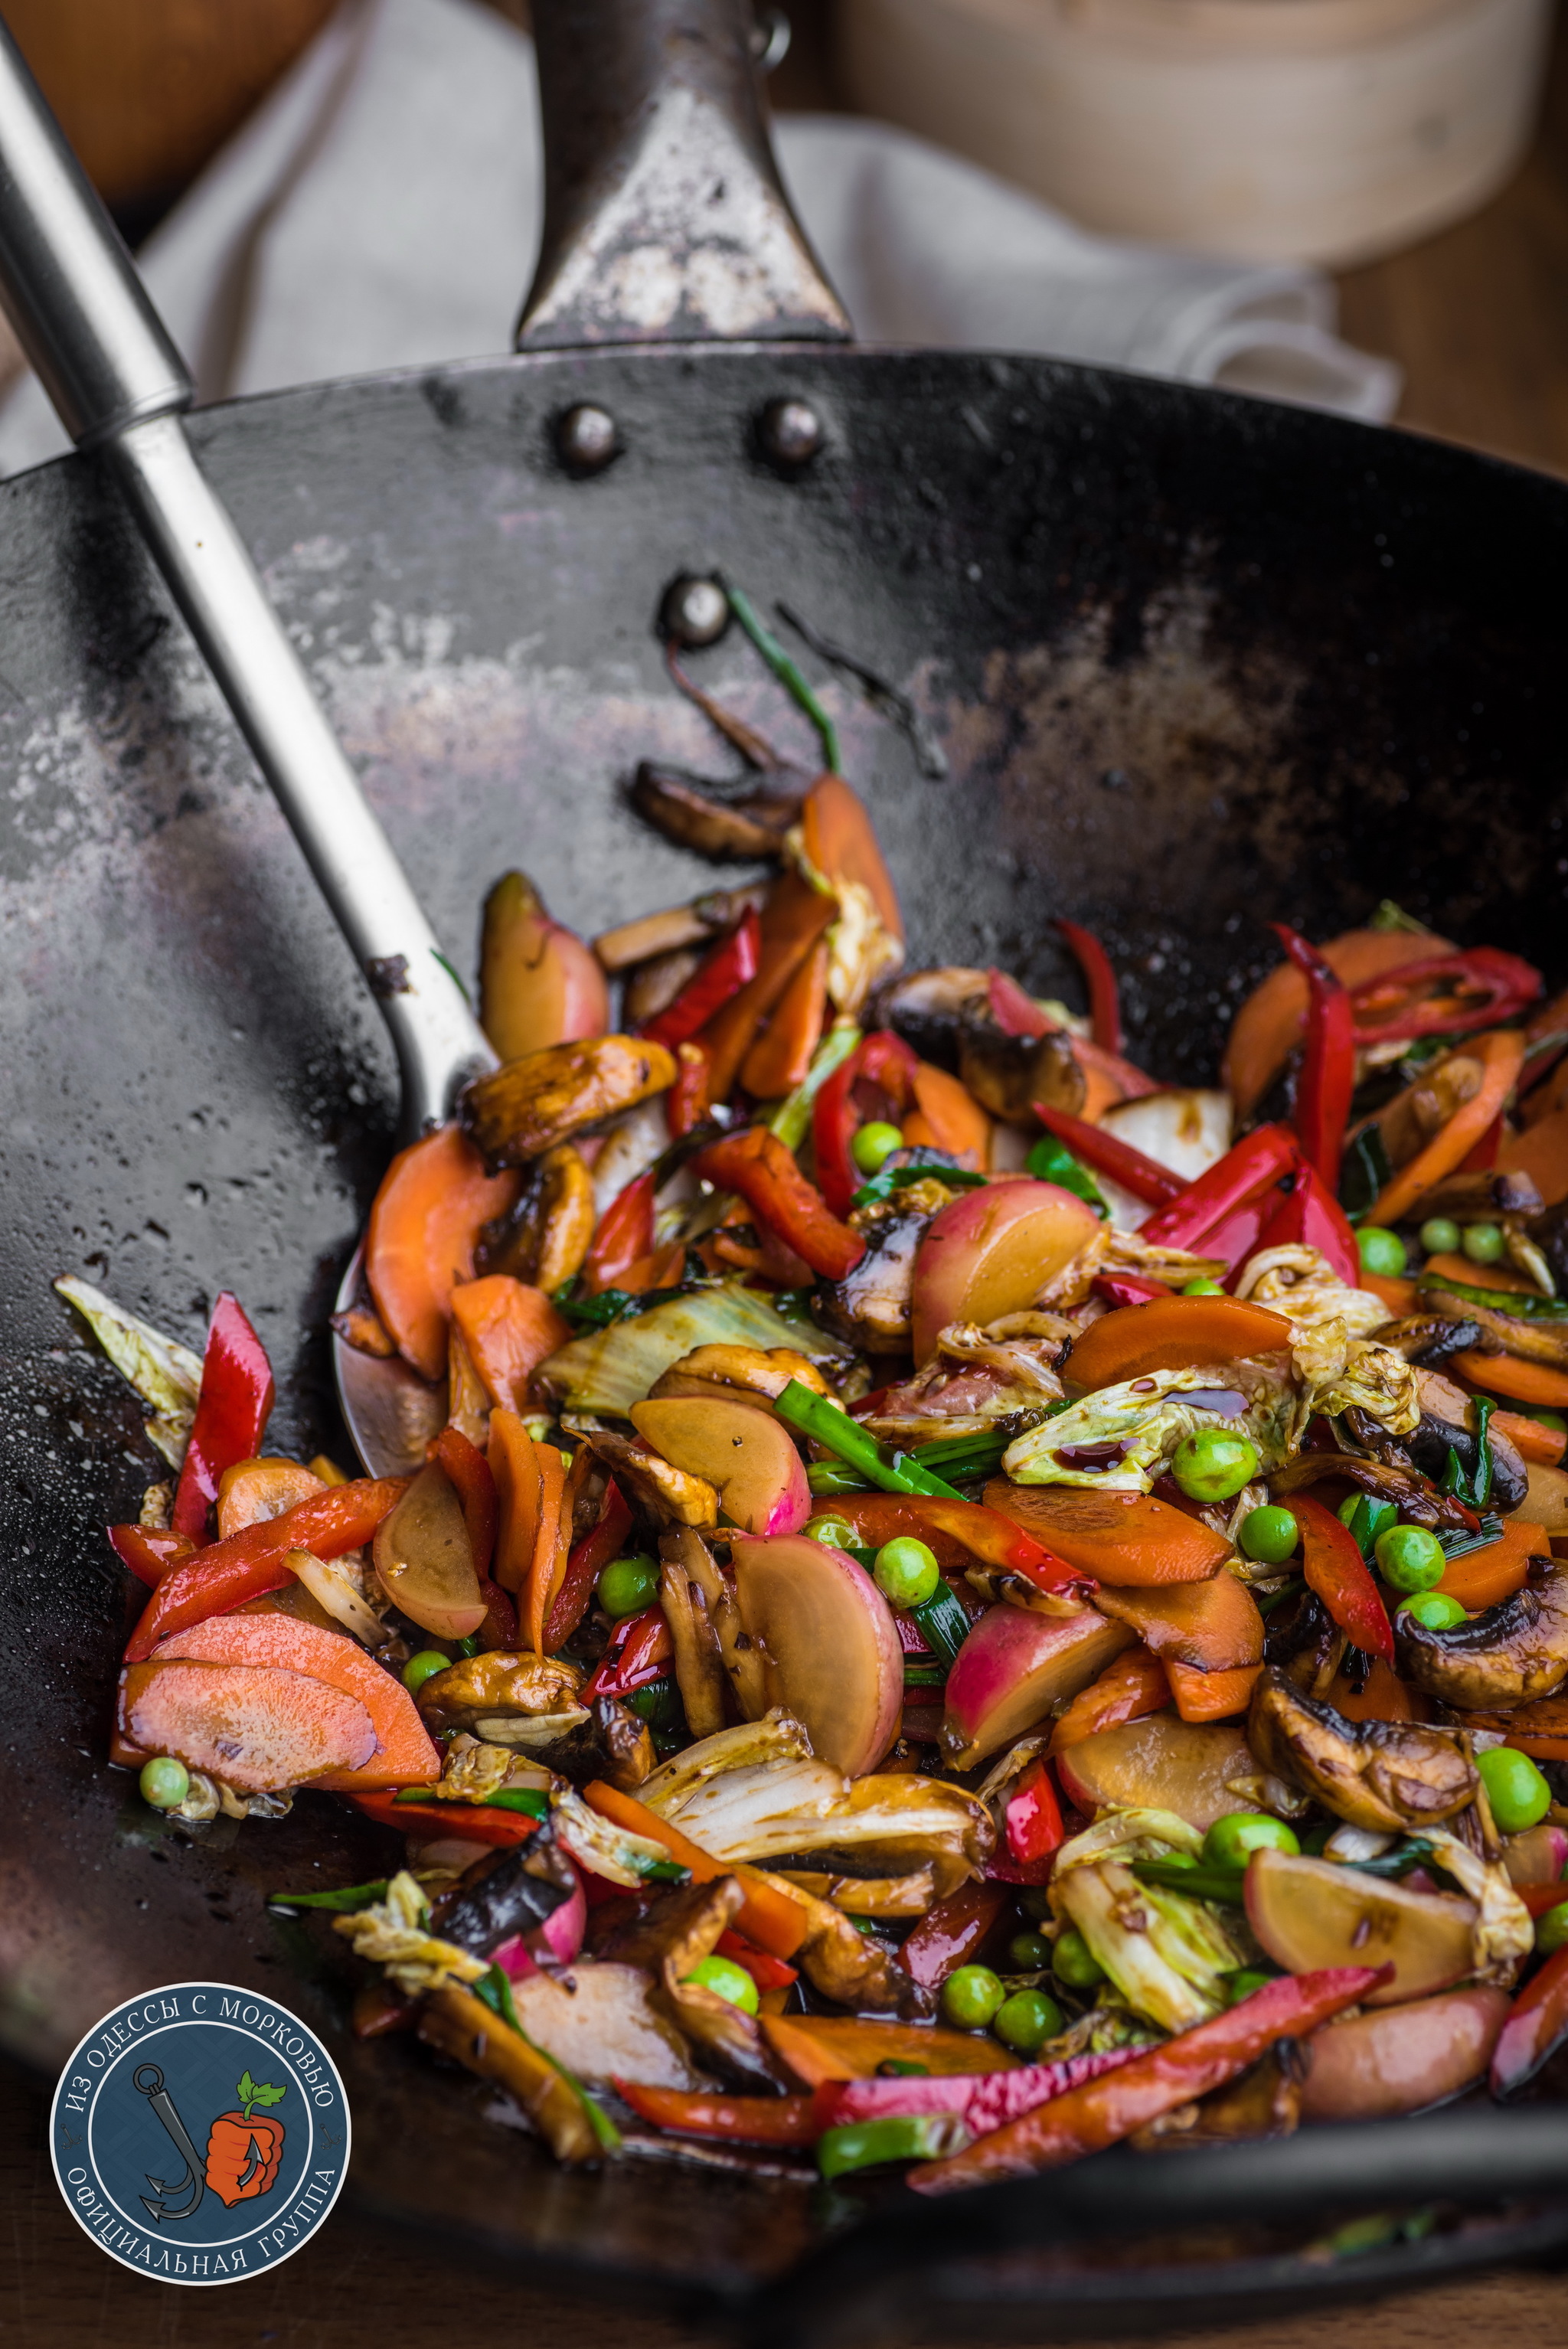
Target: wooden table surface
1477,318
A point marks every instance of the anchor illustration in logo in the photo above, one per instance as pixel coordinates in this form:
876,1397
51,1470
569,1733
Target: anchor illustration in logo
242,2151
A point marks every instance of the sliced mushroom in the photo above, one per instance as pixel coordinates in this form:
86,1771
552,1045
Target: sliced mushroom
1384,1775
1428,1338
853,1969
457,2024
654,986
699,1666
499,1685
1489,1191
928,1007
1416,1499
1509,1654
1549,1232
674,1934
738,1653
1007,1074
608,1742
509,1892
668,1494
692,813
1448,1424
874,1305
546,1236
527,1107
695,924
1531,1341
1303,1641
739,1373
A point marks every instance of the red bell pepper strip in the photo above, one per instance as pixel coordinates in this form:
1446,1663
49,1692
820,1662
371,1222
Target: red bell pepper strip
1537,2024
475,1822
834,1120
470,1473
1249,1170
949,1935
1483,1155
1087,2119
766,1972
1452,995
1310,1216
984,1533
884,1059
1104,1002
625,1233
686,1103
149,1552
1328,1076
499,1629
1147,1180
640,1647
757,1165
250,1563
1033,1819
1337,1571
721,974
781,2121
586,1562
1125,1288
231,1413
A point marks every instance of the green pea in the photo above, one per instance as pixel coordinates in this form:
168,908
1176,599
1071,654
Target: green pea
972,1998
1243,1983
165,1782
1434,1610
1410,1557
1026,2021
1551,1930
874,1144
727,1980
906,1572
1381,1251
1518,1794
1269,1535
422,1667
627,1585
1440,1235
836,1532
1202,1289
1482,1242
1212,1464
1029,1953
1073,1963
1231,1840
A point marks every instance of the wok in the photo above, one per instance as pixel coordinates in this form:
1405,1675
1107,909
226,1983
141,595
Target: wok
1193,661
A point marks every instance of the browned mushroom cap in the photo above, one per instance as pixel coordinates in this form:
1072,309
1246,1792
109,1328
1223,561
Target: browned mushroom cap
1417,1500
928,1007
1389,1775
872,1306
546,1236
1531,1341
1507,1655
1489,1191
692,815
527,1107
738,1374
849,1967
1006,1074
1428,1338
501,1685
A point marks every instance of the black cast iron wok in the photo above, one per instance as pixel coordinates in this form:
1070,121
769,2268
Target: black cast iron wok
1195,661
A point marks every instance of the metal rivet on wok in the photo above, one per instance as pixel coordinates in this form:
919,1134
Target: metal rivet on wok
790,431
694,611
586,438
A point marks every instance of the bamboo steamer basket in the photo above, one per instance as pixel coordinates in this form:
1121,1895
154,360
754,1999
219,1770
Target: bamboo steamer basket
1325,130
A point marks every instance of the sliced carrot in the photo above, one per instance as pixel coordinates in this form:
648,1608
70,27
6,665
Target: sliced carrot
1101,1092
771,1919
1544,1445
552,1540
841,842
735,2120
1384,1696
1272,1019
435,1199
793,920
1136,1684
1501,1052
1506,1374
257,1728
405,1755
782,1056
1541,1153
662,1269
1478,1276
1483,1576
1125,1539
1213,1626
1211,1696
513,1459
821,2047
253,1491
1172,1333
509,1329
1398,1296
947,1116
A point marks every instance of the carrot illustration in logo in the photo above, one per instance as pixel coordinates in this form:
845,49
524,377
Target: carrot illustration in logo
243,2152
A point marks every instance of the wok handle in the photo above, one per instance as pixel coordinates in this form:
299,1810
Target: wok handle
664,217
83,316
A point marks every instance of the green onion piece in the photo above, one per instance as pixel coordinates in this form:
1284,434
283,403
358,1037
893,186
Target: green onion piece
826,1423
1474,1491
1222,1884
532,1801
965,1458
791,1121
415,1794
1519,1304
789,676
925,1676
899,1178
1455,1542
1369,1519
1364,1172
662,1871
836,1476
864,2145
1052,1161
495,1989
343,1902
944,1623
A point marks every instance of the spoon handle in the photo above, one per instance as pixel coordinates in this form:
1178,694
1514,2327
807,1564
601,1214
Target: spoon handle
83,316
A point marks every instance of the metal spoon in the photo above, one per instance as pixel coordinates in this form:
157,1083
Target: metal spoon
119,387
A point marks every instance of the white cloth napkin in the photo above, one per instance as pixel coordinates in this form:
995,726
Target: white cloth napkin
381,208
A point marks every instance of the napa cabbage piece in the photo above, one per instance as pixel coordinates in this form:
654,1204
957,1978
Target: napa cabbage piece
756,1792
599,1845
1503,1933
164,1374
1165,1953
1336,1362
611,1369
396,1934
1150,1416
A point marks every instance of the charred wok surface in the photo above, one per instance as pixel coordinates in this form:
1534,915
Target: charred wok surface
1509,1654
1387,1775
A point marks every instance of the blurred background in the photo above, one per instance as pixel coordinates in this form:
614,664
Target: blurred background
1417,149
